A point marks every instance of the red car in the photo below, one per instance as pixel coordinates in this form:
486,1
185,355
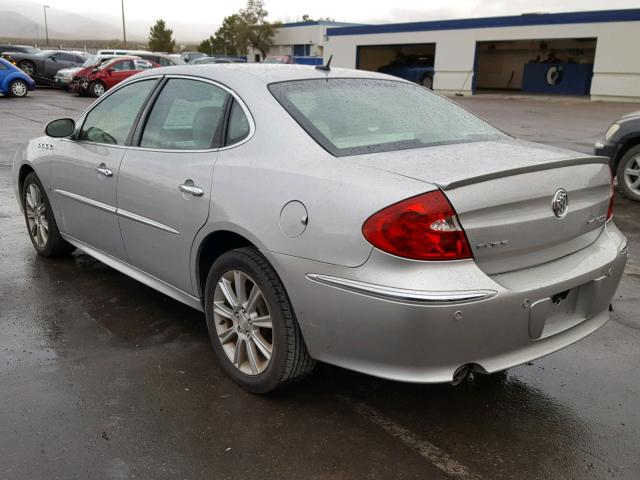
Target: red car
97,80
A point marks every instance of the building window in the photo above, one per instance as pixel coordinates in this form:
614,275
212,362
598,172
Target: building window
303,50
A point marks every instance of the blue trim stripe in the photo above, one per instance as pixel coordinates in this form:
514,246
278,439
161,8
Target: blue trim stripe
598,16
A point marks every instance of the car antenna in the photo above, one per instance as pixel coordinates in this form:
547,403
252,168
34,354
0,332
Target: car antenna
327,67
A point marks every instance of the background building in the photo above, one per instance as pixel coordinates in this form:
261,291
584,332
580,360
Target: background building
588,53
302,39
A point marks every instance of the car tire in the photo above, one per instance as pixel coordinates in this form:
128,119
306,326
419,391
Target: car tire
97,89
41,223
427,82
27,67
239,341
628,173
18,88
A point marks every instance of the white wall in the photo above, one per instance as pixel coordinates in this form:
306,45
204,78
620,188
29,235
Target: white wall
616,71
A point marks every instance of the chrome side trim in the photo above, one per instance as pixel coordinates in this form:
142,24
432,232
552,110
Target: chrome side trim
86,201
393,294
136,273
146,221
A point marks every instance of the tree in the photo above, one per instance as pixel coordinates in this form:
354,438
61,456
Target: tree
161,38
307,18
253,29
226,40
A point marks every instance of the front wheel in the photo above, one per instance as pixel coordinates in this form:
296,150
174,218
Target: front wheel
251,323
97,89
628,173
18,88
427,82
27,67
41,224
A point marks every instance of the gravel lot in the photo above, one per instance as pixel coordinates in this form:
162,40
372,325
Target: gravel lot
102,377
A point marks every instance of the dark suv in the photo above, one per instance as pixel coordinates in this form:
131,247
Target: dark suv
621,144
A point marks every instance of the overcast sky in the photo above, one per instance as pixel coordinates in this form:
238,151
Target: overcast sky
370,11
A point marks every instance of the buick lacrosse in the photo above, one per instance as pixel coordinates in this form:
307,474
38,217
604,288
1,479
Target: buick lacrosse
334,215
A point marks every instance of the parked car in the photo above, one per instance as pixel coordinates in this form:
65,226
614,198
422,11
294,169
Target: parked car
64,78
162,59
621,144
284,59
205,60
43,66
18,49
188,57
13,81
414,68
100,79
392,237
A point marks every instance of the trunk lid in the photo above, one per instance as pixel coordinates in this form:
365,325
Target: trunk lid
503,193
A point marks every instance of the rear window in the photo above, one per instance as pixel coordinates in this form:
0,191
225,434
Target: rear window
349,116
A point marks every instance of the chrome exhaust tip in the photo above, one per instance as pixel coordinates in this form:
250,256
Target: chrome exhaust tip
460,374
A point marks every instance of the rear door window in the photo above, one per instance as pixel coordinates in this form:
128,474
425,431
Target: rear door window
187,115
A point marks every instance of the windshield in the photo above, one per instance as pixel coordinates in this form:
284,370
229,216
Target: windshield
349,116
92,60
45,53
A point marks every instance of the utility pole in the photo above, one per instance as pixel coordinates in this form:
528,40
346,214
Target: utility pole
46,27
124,30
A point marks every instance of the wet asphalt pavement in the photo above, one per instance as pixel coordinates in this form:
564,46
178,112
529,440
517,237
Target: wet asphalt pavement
104,378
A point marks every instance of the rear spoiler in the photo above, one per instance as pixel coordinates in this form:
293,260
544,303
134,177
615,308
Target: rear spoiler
519,170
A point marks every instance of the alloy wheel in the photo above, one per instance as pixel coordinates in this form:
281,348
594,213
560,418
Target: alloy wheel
98,89
27,68
36,211
243,322
19,89
632,174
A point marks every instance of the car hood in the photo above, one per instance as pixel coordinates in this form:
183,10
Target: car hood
455,165
69,71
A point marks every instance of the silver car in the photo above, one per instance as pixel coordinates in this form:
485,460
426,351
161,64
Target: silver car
342,216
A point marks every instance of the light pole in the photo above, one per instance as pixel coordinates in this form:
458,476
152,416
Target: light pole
124,30
46,27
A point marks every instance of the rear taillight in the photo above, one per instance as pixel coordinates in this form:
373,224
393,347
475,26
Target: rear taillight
612,194
424,227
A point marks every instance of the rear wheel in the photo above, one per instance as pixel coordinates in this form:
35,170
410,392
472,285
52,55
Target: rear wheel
97,89
427,82
251,323
27,67
629,173
41,224
18,88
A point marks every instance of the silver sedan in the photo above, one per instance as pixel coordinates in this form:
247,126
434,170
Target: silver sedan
341,216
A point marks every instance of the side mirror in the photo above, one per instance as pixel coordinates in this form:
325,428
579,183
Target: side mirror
110,70
61,128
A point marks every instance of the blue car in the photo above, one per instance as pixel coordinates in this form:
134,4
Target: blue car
13,81
414,68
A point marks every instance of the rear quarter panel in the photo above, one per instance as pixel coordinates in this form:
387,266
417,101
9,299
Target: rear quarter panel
281,163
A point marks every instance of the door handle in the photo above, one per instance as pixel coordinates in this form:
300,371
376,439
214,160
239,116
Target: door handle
102,169
191,189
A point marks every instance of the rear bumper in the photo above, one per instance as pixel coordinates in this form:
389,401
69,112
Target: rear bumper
422,321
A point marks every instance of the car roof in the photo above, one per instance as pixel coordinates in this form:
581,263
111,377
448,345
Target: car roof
234,73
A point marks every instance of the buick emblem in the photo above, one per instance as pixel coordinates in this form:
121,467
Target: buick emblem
560,203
